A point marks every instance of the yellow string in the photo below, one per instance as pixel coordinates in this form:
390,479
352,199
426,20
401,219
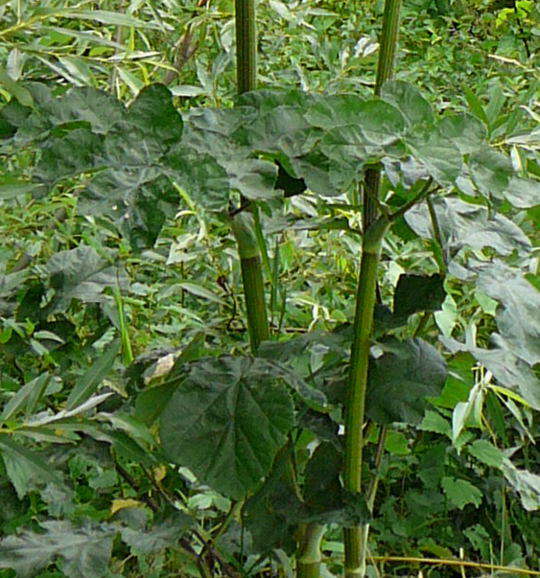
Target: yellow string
456,562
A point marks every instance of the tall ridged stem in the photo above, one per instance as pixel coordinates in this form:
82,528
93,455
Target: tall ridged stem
246,45
385,71
355,538
243,226
244,229
389,42
309,560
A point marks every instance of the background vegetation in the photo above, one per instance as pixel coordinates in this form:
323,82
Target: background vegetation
92,316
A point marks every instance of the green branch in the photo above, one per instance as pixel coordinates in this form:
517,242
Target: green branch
246,45
243,228
375,228
245,232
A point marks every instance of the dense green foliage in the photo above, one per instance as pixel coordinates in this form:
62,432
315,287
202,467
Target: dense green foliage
138,435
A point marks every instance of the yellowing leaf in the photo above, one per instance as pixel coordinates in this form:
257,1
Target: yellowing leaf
159,473
120,504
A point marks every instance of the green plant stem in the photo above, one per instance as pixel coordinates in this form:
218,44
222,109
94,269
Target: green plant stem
372,186
389,42
246,45
356,536
252,278
385,70
309,561
374,229
249,246
372,492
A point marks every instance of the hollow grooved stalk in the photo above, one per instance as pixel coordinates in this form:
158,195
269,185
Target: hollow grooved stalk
355,538
246,45
255,302
309,561
389,42
250,255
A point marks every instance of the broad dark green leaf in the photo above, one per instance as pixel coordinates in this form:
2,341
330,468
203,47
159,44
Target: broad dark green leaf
323,176
82,274
409,101
439,155
25,468
266,514
150,402
83,552
268,99
126,447
348,511
77,151
95,107
226,422
463,224
137,202
200,175
380,123
283,128
406,171
227,160
254,178
402,378
322,425
418,293
333,110
487,453
154,115
461,492
518,319
322,486
465,131
491,172
376,126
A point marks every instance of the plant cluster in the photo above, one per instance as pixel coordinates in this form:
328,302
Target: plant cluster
139,435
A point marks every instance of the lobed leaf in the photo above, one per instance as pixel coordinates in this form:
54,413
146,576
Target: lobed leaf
401,380
226,422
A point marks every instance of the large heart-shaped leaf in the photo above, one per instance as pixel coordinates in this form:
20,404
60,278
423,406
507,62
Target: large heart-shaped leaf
439,155
402,378
82,274
465,131
77,151
463,224
409,101
491,171
519,319
226,422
